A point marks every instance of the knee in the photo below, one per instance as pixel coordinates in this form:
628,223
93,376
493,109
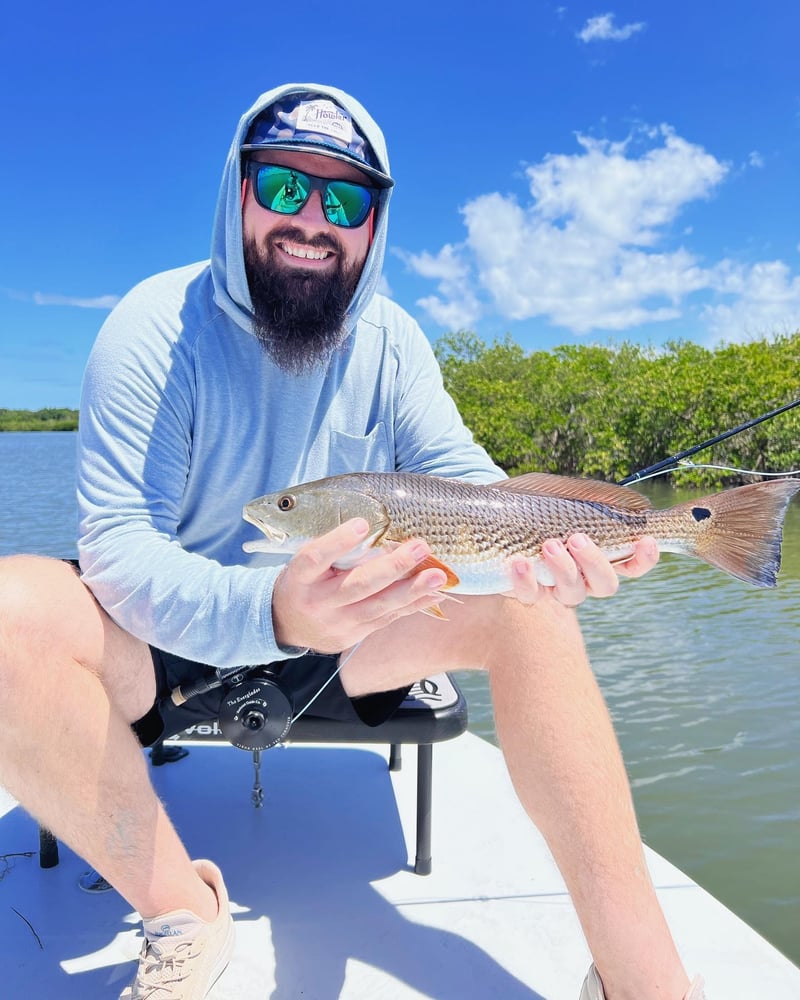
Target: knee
511,635
482,631
28,588
50,620
34,600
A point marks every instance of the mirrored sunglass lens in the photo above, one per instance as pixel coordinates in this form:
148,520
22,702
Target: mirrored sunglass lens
282,190
347,204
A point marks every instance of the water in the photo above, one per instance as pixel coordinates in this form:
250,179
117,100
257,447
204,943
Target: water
700,674
38,509
702,678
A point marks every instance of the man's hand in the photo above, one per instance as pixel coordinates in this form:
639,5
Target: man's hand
317,606
580,570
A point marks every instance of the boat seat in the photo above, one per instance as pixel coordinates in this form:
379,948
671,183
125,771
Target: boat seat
433,711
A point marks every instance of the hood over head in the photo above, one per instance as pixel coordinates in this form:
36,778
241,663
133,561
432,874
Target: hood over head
277,120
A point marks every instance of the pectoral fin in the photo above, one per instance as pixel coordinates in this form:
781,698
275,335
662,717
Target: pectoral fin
433,563
452,580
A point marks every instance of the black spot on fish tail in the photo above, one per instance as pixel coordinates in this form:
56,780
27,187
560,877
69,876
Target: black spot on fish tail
744,530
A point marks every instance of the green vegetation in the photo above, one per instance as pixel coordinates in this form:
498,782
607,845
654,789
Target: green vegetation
606,412
39,420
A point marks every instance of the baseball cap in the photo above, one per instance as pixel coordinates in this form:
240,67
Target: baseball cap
309,123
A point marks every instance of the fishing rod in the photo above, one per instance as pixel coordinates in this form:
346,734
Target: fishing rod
666,464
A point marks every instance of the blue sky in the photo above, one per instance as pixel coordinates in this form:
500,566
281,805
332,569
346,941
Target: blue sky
584,171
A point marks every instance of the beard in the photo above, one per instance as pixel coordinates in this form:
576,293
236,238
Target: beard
298,316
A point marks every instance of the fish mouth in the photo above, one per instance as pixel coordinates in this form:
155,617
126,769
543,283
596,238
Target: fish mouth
273,534
274,543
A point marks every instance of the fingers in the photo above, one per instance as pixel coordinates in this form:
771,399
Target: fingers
317,606
376,580
314,561
526,586
579,569
599,576
645,557
404,597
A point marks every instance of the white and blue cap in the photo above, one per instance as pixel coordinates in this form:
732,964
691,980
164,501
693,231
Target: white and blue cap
305,123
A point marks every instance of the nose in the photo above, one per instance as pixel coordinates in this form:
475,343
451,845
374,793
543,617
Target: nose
312,213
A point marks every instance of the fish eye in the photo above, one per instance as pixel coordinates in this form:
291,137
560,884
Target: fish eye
286,502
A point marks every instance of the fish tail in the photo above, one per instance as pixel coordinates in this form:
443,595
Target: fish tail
740,530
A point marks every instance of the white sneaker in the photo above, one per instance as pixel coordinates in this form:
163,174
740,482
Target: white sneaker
593,988
182,956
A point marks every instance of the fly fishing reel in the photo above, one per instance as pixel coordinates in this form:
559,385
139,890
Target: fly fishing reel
256,711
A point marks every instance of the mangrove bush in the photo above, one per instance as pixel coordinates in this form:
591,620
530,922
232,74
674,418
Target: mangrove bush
608,411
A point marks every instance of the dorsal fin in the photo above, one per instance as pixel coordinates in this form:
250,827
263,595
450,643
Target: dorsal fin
573,488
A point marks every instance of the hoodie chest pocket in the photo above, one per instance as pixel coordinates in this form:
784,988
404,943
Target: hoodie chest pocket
360,453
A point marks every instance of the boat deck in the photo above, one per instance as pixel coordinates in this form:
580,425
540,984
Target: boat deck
326,903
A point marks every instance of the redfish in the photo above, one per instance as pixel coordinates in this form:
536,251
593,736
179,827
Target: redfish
473,531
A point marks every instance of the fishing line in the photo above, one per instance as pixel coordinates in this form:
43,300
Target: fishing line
327,682
729,468
683,465
666,463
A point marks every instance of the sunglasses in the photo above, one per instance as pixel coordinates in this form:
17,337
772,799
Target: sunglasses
284,190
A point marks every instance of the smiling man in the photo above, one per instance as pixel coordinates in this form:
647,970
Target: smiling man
274,363
301,285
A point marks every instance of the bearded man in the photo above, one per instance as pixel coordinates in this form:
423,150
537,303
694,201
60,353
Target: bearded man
275,363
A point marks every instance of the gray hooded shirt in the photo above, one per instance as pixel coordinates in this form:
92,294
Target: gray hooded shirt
184,418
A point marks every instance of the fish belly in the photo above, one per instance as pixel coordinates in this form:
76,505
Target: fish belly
494,576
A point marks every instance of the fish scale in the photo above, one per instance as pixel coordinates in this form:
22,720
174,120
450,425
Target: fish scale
478,528
463,522
474,530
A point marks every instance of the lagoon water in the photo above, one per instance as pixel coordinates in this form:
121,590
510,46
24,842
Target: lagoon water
701,674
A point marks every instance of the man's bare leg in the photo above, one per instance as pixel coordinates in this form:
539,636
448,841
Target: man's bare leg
564,759
71,683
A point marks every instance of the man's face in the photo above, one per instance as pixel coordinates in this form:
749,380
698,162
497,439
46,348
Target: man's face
302,270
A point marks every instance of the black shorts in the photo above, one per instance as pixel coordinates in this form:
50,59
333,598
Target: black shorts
301,678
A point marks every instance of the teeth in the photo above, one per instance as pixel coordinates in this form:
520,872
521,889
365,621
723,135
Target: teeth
273,534
307,253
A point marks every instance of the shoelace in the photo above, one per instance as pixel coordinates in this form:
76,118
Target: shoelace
162,965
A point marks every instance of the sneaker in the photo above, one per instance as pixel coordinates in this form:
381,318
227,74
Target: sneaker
182,956
93,882
593,988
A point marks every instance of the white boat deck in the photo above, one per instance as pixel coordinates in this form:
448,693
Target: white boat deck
327,906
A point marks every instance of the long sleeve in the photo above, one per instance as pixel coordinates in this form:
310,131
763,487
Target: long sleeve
137,449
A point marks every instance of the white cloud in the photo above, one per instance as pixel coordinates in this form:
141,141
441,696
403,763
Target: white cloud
599,244
608,192
451,314
601,28
457,306
581,253
99,302
765,299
